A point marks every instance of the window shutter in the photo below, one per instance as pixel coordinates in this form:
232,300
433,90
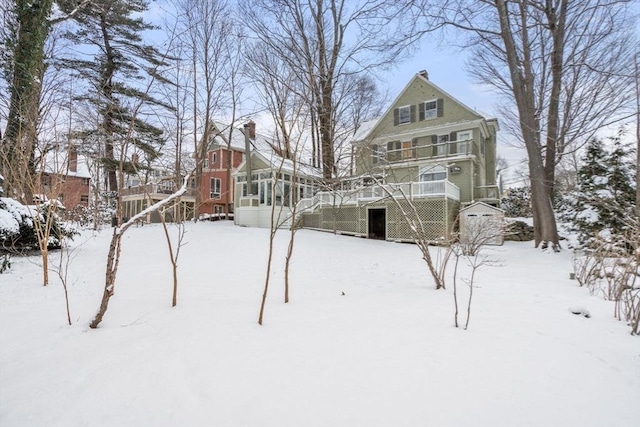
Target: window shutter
434,141
396,116
452,136
440,107
452,147
421,111
413,113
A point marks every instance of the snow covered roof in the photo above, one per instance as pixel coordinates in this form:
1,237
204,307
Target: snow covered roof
61,161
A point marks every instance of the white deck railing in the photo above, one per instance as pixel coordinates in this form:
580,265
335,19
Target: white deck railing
410,191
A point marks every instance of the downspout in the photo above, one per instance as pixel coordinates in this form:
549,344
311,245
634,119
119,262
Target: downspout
247,152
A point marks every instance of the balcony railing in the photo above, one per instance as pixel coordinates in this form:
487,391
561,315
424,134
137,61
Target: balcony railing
410,191
155,190
443,149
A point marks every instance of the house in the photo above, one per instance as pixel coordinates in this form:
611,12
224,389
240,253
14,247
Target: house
64,176
224,154
427,152
137,195
267,182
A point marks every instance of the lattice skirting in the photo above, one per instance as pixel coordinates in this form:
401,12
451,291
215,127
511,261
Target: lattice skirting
436,215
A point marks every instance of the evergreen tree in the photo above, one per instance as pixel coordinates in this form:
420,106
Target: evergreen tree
604,201
115,76
517,203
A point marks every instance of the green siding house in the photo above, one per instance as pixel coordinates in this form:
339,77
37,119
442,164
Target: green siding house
428,152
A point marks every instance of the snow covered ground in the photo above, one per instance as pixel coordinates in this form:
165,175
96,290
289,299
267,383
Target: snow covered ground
383,354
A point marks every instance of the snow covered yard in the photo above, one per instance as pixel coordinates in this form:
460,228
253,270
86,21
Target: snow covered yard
383,354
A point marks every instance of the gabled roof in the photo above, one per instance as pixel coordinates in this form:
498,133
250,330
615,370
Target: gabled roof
482,205
366,128
221,135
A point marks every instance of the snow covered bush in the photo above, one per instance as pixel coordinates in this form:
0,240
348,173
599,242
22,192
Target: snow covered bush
18,225
610,269
517,203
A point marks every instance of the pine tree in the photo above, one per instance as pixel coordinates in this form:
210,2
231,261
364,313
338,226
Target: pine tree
115,77
517,203
605,197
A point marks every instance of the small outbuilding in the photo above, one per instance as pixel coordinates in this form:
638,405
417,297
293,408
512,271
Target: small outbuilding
481,223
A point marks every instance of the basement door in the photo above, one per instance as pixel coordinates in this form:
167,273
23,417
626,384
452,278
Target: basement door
377,227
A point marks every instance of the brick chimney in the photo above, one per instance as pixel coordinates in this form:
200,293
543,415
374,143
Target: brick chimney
252,129
73,159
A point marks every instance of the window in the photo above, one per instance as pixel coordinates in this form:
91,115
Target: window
405,114
394,151
376,154
215,188
463,146
84,198
441,147
214,159
430,110
433,173
205,164
85,181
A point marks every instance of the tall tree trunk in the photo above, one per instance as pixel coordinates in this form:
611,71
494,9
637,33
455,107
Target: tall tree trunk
556,17
20,136
522,79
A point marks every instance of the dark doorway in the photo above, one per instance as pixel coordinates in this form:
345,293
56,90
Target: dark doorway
377,224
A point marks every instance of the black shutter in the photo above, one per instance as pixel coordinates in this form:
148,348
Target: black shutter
396,116
421,111
413,113
440,107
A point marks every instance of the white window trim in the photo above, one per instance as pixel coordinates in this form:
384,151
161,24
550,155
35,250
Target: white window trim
435,110
216,183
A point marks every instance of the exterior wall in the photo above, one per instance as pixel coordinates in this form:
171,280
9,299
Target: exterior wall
218,169
72,191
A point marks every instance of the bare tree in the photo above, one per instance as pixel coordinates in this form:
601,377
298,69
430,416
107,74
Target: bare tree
173,255
470,246
113,257
562,65
205,29
322,42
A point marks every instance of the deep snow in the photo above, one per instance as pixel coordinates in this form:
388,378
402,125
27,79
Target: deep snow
383,354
